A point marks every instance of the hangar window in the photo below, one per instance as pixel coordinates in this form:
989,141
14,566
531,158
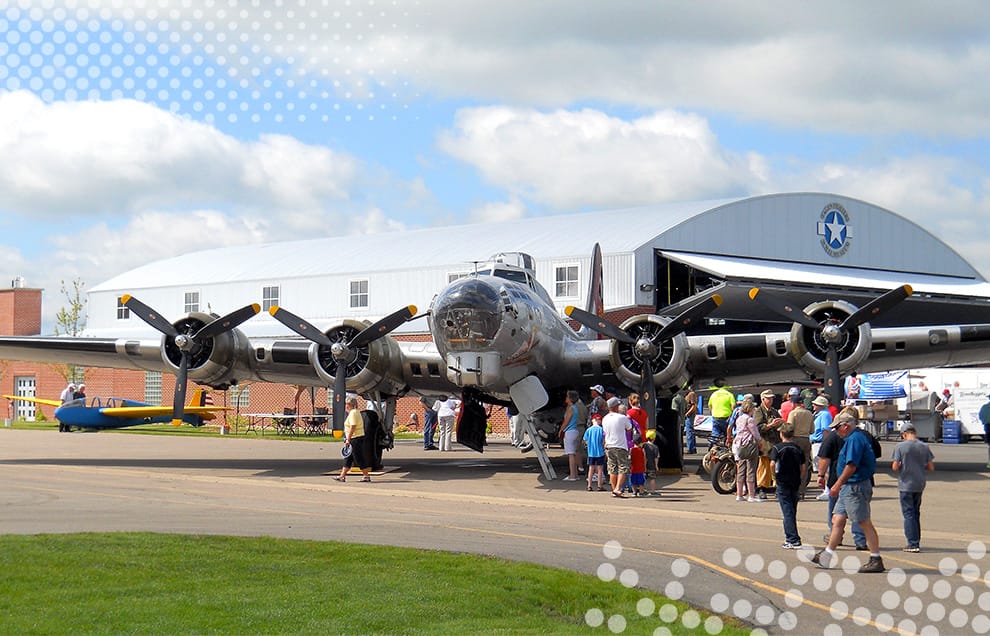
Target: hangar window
359,294
269,297
566,281
153,387
240,396
191,302
123,311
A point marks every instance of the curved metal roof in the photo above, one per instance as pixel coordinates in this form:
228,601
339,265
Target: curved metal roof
785,227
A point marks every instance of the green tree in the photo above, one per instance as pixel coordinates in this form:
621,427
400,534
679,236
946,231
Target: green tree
71,320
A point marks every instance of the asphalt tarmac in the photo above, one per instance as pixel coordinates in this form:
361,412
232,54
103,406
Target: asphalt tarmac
688,543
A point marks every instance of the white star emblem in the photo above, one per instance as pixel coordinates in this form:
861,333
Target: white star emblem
835,230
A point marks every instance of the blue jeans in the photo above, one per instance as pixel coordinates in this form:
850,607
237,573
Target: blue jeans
911,510
429,426
719,426
689,435
858,536
788,500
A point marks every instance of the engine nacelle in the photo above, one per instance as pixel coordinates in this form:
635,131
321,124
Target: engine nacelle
809,349
375,366
216,362
669,363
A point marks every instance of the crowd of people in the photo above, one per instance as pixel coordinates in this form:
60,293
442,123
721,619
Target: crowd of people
776,450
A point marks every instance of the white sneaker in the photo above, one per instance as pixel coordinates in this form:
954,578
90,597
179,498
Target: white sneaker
755,500
569,478
740,499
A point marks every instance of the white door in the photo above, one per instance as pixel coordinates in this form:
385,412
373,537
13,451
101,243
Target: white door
24,385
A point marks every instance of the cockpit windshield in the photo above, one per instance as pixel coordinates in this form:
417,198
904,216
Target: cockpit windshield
511,274
468,314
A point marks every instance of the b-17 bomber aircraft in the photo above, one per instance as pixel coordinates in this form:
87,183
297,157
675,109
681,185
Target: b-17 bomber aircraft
114,412
498,339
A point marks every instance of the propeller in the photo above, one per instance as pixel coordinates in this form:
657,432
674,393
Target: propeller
343,351
188,344
832,331
646,344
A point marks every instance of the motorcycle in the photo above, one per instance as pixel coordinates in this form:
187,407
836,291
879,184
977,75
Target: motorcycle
722,465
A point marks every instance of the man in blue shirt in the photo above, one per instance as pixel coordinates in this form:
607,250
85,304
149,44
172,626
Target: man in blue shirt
985,419
854,490
823,418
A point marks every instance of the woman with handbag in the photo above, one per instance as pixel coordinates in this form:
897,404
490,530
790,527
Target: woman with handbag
746,451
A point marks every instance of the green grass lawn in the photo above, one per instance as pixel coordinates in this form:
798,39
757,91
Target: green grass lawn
142,583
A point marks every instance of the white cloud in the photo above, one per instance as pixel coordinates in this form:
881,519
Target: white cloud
118,157
586,158
840,66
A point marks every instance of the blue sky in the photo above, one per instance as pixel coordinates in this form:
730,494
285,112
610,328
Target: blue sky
137,130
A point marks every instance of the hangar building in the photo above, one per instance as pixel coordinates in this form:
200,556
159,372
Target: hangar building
654,257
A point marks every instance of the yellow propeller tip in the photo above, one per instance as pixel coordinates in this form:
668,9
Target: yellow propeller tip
569,309
273,309
753,292
256,307
909,289
125,298
717,299
412,309
176,422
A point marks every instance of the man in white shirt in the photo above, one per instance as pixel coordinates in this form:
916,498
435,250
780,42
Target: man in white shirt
67,393
615,426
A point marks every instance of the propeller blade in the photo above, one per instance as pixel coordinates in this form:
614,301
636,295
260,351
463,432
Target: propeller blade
228,322
600,325
300,326
832,378
339,395
783,308
647,394
179,399
149,315
689,317
383,326
876,307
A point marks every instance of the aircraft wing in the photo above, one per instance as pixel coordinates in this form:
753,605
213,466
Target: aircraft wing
157,411
23,398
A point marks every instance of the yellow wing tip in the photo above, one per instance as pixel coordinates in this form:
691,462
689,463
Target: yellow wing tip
753,292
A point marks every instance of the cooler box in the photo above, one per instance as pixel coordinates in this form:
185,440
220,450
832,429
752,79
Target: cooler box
952,432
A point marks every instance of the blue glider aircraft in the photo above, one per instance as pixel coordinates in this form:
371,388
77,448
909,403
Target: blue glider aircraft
121,412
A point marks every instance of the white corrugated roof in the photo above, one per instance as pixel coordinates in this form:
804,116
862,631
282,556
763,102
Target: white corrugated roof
618,231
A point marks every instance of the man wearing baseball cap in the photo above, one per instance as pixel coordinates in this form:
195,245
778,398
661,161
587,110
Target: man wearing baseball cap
823,418
854,491
985,419
793,397
912,459
764,416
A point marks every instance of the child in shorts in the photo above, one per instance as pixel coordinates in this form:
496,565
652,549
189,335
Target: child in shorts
637,470
594,440
652,461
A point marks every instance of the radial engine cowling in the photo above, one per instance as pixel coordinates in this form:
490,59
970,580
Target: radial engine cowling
809,347
376,366
215,363
668,363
